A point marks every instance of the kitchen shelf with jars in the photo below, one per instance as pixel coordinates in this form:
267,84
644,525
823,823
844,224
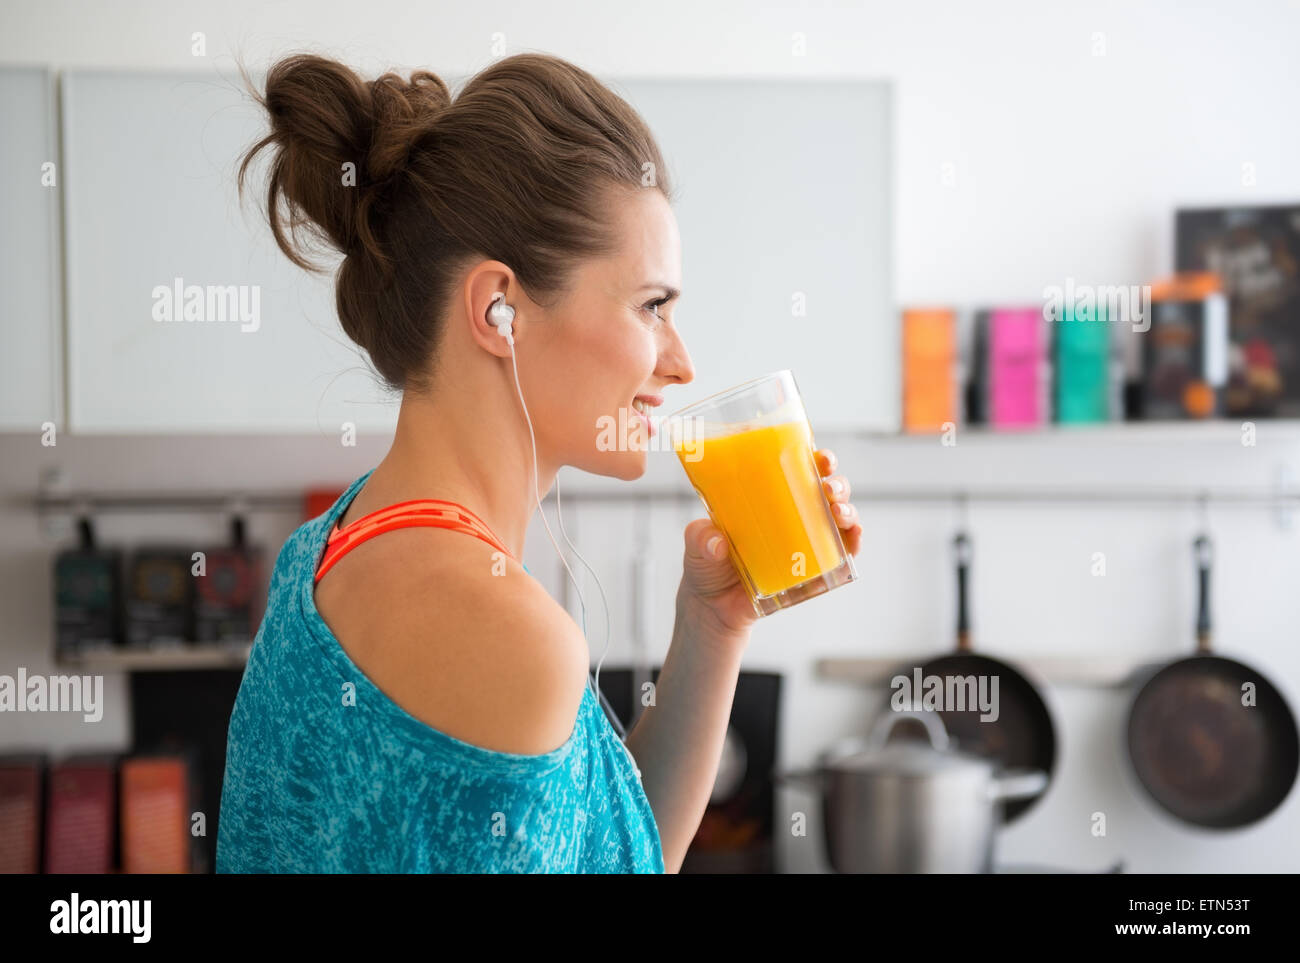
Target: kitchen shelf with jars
1207,354
156,607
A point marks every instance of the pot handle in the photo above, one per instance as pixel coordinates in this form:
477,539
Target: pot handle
1017,784
934,727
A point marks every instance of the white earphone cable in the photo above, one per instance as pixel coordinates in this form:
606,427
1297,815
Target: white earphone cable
559,514
504,329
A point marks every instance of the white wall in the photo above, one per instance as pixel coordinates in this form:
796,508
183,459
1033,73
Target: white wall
1066,165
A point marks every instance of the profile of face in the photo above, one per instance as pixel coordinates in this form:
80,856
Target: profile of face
610,342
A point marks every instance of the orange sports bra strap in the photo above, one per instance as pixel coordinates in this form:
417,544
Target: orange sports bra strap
417,507
424,513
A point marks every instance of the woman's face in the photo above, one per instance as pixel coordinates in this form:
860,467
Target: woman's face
609,343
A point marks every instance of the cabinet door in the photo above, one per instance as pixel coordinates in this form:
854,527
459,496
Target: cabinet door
252,343
31,383
783,202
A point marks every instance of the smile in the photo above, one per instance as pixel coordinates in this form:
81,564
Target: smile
643,410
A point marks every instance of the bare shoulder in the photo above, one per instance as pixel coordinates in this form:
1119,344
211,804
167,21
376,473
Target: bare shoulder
460,637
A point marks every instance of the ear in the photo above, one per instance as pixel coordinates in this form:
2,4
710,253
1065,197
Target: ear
484,281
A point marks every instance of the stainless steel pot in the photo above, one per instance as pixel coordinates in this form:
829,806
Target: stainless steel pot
910,806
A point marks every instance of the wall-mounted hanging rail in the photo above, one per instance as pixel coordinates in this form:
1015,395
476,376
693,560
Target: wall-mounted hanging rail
1171,496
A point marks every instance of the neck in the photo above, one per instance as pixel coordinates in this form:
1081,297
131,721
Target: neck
477,454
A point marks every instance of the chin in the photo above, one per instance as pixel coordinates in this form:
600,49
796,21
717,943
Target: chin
624,465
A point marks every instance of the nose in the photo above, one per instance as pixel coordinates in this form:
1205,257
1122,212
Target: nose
675,360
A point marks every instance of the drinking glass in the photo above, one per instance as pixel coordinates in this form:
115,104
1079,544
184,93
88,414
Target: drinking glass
749,454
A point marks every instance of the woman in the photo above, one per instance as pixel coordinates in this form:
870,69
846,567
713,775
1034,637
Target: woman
418,702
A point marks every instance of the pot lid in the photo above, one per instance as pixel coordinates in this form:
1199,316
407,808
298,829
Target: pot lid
931,757
910,758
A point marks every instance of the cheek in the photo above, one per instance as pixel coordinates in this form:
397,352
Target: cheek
639,352
621,356
590,373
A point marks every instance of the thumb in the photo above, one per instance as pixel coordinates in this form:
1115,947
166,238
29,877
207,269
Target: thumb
707,568
705,543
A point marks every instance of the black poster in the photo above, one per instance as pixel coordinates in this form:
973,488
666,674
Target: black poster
1256,251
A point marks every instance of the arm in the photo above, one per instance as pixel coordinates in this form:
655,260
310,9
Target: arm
677,742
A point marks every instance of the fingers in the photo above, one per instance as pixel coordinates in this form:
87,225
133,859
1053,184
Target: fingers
846,518
826,461
852,537
837,488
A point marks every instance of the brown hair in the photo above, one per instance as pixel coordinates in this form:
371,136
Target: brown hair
516,170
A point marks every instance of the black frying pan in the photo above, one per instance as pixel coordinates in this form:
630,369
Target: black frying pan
1201,754
1023,735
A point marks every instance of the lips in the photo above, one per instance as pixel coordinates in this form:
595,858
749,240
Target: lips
643,405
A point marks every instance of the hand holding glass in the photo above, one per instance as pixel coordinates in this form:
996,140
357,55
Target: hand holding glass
749,454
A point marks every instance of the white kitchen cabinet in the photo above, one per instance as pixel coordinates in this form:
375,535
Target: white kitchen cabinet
31,383
150,165
782,197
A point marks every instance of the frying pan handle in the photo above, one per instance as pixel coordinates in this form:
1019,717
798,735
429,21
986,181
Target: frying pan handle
962,552
1203,551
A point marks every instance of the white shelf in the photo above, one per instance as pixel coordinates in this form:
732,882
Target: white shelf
1100,671
1215,431
204,656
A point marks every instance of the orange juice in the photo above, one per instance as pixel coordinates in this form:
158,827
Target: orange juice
762,490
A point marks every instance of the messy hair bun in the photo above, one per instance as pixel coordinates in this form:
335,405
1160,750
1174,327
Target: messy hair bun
409,186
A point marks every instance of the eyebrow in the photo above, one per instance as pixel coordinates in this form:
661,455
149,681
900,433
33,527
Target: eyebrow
671,291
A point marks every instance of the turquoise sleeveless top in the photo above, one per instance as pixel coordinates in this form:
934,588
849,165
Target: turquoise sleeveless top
326,774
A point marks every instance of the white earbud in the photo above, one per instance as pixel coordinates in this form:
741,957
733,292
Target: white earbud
503,316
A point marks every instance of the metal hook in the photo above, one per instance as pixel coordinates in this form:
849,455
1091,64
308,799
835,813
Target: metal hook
1203,550
237,508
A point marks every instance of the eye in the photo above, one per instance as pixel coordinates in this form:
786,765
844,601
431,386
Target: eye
655,304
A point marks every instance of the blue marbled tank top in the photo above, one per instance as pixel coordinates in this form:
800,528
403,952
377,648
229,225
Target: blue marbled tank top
316,785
